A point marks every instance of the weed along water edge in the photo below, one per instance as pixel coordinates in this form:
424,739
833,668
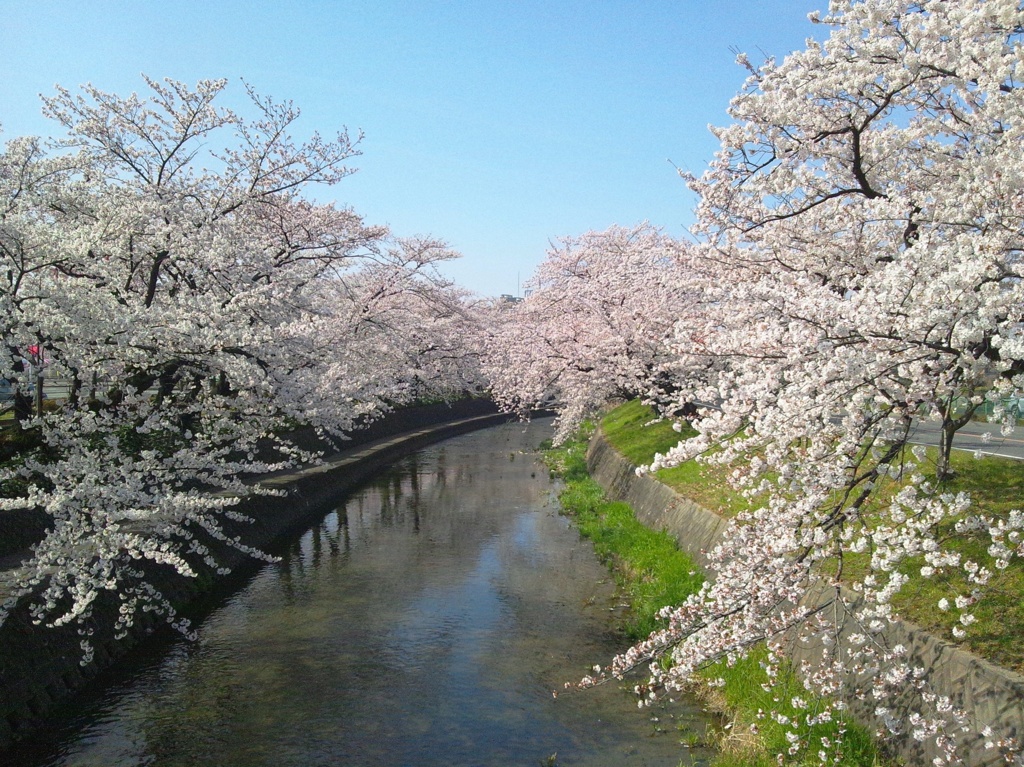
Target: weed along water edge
425,621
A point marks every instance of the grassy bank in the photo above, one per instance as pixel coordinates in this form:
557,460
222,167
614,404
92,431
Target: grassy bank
996,486
648,566
652,572
633,431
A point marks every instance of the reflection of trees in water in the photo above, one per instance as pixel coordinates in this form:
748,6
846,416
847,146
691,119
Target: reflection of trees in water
360,643
438,503
441,502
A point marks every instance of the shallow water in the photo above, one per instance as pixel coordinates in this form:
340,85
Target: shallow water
427,621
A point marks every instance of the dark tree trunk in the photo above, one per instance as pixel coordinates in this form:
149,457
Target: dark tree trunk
950,426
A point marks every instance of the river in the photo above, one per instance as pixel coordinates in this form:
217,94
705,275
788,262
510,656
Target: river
426,621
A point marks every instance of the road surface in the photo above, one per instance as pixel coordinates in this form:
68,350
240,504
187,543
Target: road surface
970,438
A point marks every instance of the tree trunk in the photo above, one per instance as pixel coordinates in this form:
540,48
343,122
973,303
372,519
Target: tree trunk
39,393
943,471
950,426
22,408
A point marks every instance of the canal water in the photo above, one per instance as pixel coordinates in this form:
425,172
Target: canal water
426,621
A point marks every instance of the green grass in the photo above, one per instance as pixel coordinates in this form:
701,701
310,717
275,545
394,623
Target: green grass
652,572
996,486
648,565
632,430
743,695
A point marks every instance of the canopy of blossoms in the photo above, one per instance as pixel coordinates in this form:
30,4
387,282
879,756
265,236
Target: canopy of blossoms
856,265
164,258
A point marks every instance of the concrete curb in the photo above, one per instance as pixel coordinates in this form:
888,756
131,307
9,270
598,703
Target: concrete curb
991,695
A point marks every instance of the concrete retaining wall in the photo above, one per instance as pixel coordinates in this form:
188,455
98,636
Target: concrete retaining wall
991,696
658,506
39,667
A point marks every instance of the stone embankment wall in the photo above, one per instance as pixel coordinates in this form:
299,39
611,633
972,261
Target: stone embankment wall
39,667
991,696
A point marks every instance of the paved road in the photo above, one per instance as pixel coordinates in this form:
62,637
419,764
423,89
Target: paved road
970,438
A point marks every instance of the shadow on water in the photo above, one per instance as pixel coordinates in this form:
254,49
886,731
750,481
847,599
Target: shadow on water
426,621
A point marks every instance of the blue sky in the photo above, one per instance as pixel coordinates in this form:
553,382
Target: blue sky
497,126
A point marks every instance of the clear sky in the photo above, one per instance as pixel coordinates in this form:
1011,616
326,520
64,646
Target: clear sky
497,126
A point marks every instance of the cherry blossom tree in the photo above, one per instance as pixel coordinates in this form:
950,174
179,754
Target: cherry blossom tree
866,220
858,267
165,258
882,161
594,326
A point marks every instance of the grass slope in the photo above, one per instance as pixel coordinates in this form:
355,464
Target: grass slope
652,572
995,485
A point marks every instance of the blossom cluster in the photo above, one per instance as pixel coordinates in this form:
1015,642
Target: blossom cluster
163,260
856,267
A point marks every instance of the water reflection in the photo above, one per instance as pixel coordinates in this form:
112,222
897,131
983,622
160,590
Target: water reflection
425,622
